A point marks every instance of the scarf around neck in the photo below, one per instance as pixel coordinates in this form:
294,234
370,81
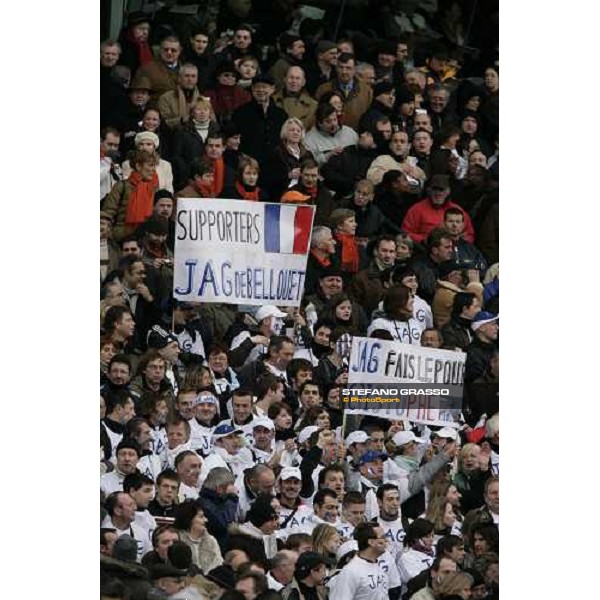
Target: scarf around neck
246,192
141,199
349,251
144,52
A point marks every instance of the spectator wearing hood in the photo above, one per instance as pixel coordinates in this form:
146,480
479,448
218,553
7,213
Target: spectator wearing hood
256,536
122,566
405,110
384,100
422,218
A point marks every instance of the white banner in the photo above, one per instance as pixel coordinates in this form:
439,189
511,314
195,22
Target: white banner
384,362
241,252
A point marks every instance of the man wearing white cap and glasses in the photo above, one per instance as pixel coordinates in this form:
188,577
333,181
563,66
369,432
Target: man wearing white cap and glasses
356,445
148,141
481,349
246,347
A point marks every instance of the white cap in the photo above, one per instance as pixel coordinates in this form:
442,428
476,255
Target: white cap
357,437
306,433
268,311
404,437
346,547
263,422
290,473
446,432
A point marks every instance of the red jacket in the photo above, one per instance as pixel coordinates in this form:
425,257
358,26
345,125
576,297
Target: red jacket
423,218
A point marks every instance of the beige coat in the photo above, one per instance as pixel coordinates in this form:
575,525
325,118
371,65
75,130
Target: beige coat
444,298
302,107
174,108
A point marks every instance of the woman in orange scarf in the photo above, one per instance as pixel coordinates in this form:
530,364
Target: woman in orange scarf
343,223
130,202
244,187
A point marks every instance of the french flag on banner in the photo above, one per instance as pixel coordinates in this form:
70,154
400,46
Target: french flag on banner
287,228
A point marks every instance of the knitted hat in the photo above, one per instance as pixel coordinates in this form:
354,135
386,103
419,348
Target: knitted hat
226,67
261,511
159,338
125,548
383,87
325,46
129,444
146,136
157,226
287,40
404,95
307,561
136,18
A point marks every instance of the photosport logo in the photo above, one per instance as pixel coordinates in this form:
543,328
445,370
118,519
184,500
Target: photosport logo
404,396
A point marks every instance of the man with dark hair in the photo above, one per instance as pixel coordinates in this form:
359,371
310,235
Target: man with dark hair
353,513
121,516
457,331
389,519
279,354
120,408
164,203
312,192
439,249
119,326
423,217
252,584
366,287
292,50
167,488
425,585
464,252
309,576
328,137
141,489
357,94
364,577
343,171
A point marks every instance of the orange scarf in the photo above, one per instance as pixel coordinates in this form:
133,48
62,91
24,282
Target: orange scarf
247,194
141,198
349,252
219,176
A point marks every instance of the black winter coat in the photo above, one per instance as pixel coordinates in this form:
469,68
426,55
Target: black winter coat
343,171
259,131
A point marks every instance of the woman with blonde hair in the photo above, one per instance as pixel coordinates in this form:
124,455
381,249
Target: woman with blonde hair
284,162
326,541
473,471
455,586
441,513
